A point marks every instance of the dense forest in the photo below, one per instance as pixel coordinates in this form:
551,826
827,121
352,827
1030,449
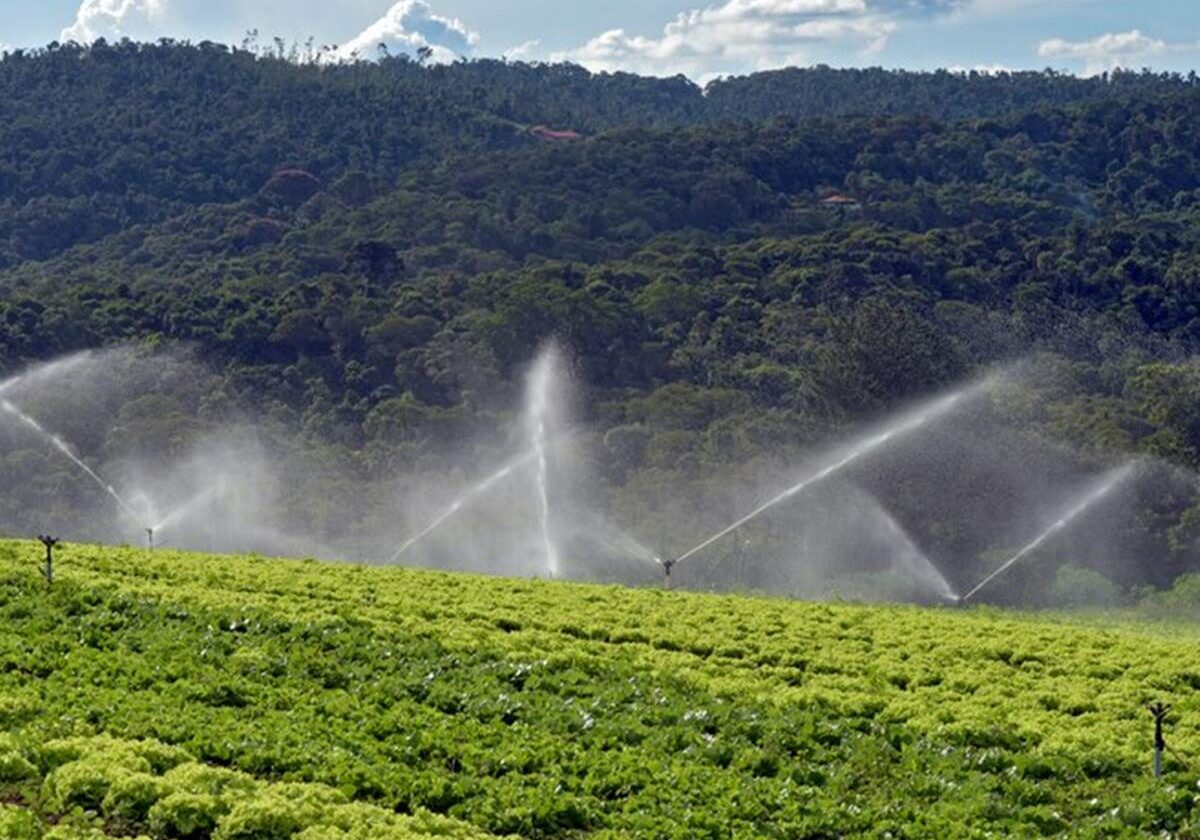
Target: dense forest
372,253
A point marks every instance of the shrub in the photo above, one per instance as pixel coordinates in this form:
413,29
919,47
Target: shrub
263,232
1185,594
292,187
1075,586
1182,599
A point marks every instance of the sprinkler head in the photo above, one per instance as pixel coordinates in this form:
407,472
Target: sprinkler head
667,565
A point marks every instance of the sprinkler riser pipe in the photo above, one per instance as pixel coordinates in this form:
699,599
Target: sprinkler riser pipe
1159,711
48,569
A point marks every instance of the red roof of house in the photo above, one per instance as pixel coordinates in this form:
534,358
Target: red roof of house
838,198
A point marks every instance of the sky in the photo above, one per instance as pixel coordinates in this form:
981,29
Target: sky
702,39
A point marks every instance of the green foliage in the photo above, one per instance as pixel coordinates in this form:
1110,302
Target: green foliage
14,767
18,824
1079,587
1182,599
130,798
191,801
550,710
374,280
185,815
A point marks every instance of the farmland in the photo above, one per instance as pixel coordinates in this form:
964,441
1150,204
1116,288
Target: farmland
173,695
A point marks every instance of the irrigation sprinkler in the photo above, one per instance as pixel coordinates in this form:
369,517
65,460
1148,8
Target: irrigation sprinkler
150,538
667,565
1159,711
48,569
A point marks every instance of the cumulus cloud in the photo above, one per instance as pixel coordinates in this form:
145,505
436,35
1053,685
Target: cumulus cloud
406,27
741,35
1107,52
409,26
115,19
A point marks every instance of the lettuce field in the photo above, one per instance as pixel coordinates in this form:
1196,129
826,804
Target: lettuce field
169,695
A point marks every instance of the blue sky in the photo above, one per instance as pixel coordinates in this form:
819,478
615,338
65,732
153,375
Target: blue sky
700,38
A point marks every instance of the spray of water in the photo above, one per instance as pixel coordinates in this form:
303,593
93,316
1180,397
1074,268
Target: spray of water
61,445
625,545
598,529
906,424
916,562
541,380
1094,494
462,501
187,509
45,371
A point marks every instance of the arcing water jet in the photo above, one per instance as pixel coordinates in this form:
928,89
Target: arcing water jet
540,395
183,512
1098,490
620,542
915,561
61,445
909,423
45,370
462,501
186,509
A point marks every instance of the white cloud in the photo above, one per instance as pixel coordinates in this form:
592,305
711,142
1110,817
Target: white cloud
406,27
523,52
990,8
409,26
1110,51
114,19
739,36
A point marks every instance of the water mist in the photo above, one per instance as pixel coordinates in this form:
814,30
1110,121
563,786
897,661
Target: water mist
1090,497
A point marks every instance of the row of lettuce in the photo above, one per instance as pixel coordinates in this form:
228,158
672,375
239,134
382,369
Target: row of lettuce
171,695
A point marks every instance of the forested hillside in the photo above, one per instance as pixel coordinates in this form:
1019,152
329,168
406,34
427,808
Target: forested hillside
371,254
107,136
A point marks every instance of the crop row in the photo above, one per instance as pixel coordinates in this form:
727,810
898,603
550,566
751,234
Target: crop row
550,710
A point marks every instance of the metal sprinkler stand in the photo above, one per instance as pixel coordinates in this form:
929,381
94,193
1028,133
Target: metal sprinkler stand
667,566
48,570
1159,711
150,538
